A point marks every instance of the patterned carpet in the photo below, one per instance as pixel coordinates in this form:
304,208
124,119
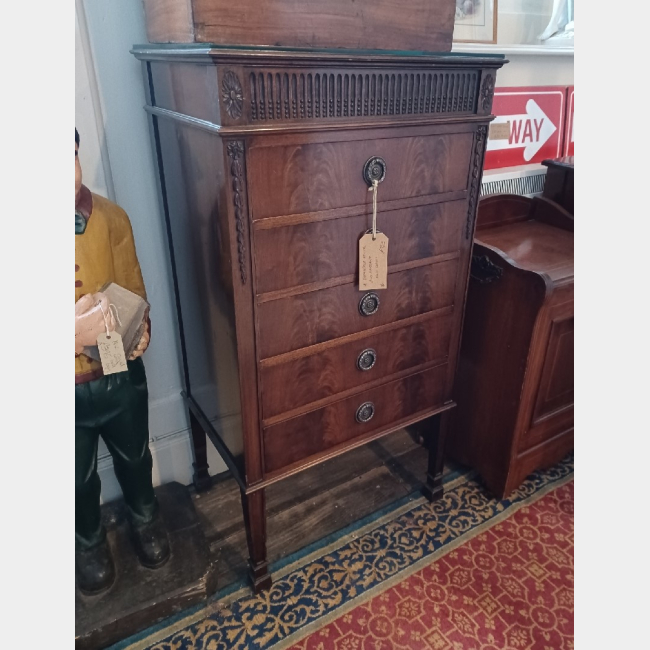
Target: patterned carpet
468,572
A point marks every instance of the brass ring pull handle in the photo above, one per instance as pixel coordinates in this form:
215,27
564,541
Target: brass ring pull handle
374,170
367,359
369,304
365,412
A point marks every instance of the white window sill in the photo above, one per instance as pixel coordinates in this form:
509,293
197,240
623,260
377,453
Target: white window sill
526,50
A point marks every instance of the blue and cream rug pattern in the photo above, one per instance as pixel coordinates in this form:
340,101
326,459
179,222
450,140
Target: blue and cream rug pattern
361,562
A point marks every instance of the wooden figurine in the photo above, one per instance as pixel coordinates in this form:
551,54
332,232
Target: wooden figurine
113,406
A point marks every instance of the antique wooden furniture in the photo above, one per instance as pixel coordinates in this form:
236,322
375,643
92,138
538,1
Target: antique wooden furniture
514,386
265,161
382,24
558,185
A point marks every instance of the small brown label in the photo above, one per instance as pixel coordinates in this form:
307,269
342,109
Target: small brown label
373,262
500,131
111,353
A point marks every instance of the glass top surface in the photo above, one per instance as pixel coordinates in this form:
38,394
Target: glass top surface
267,48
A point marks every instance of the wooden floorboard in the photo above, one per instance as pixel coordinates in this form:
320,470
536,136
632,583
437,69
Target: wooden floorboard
313,504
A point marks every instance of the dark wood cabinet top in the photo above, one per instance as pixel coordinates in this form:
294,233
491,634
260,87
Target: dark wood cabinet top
534,246
531,234
250,53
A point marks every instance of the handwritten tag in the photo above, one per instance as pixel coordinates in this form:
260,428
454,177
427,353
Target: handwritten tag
373,262
111,353
500,131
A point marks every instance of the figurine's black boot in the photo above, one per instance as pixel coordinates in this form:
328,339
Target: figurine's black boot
95,569
151,542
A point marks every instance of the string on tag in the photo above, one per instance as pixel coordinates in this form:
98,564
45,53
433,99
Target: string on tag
115,315
373,189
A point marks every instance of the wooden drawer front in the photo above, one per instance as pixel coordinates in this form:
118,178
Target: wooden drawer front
323,250
314,317
311,177
303,436
307,379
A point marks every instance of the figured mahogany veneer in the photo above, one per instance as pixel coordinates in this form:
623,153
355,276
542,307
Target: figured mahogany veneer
264,173
316,177
317,375
417,233
514,385
303,436
313,317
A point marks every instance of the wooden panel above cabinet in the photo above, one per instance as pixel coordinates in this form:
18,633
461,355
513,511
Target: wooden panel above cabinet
383,24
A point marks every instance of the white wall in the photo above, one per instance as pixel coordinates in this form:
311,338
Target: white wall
117,161
536,70
528,65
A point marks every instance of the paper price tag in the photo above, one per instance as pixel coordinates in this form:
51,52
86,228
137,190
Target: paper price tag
111,353
373,262
500,131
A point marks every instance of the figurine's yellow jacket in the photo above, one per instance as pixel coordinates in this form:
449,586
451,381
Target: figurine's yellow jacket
104,253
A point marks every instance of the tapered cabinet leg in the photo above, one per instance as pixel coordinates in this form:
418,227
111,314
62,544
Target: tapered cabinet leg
255,520
201,479
435,439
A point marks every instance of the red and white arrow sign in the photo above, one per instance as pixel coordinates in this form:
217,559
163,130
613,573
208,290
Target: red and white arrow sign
535,117
569,137
530,131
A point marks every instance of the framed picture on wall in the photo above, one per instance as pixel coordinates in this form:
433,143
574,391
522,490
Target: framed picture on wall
476,21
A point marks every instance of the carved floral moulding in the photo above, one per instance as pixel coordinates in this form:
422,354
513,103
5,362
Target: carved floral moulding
232,95
476,173
236,156
487,92
484,270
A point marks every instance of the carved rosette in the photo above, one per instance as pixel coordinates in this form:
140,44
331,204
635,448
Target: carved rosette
236,155
232,95
484,270
487,92
477,167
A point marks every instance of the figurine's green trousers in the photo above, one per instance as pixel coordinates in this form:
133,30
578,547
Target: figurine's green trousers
114,407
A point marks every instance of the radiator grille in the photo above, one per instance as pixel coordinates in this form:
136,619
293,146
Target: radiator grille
523,185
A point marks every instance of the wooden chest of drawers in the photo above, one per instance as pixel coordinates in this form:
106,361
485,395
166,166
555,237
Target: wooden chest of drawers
263,159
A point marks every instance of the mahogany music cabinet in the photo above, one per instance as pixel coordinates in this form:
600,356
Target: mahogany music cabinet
514,386
265,160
